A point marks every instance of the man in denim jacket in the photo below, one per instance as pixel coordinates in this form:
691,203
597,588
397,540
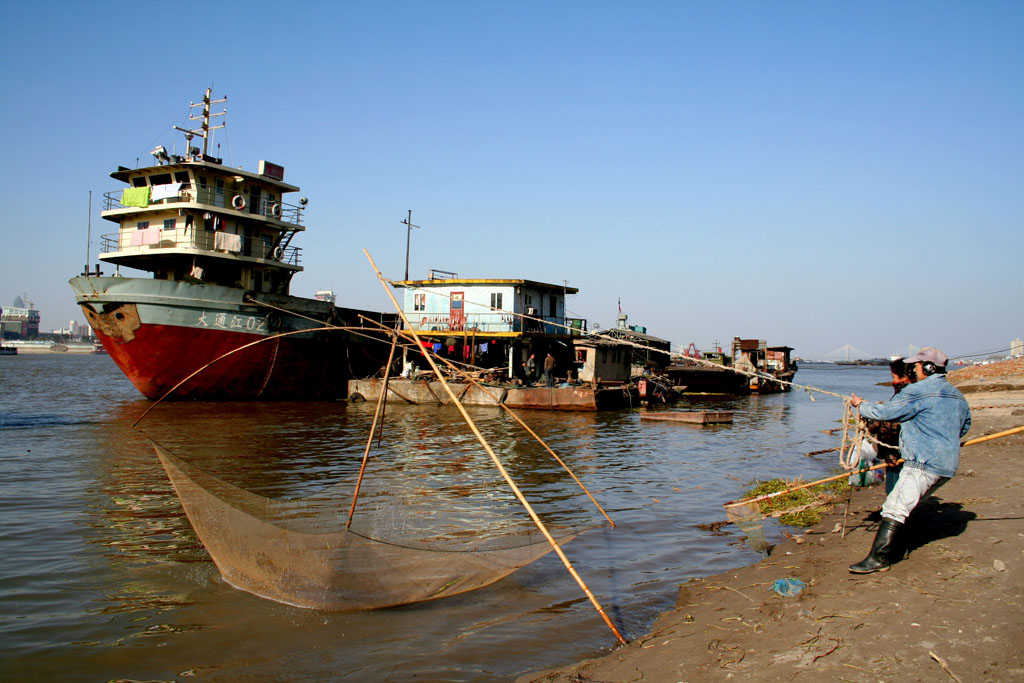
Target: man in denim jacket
933,417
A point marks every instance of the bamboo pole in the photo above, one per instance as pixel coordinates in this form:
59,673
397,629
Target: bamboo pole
373,428
515,417
494,458
993,436
980,439
744,501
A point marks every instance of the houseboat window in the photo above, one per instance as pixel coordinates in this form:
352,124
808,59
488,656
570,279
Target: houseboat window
160,179
169,223
139,181
182,177
142,225
496,300
528,299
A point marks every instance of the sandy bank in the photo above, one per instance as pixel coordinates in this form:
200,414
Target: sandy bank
951,610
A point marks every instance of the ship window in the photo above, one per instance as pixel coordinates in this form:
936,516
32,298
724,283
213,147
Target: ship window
496,300
139,181
419,301
169,223
142,225
182,177
553,307
160,179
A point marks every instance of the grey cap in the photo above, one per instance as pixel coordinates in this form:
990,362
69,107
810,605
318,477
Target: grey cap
928,354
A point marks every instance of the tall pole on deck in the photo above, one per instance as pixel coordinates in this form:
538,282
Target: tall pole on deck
88,237
408,237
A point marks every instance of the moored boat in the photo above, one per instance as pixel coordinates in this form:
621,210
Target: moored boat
217,242
700,417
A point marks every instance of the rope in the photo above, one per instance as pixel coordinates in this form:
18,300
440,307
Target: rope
599,335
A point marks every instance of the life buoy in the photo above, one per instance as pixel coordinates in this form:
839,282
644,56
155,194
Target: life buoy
275,210
278,253
238,202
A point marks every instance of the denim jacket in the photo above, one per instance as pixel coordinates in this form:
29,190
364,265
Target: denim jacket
933,417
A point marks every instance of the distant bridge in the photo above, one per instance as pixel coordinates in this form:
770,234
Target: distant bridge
851,352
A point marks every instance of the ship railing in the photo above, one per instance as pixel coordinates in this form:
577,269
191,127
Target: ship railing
130,242
494,322
209,198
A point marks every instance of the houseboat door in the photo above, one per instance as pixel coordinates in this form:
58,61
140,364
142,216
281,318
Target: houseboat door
457,313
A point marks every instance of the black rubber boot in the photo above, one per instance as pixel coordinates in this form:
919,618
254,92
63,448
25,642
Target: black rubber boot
878,559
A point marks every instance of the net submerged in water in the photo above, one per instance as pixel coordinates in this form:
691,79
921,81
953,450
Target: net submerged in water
406,544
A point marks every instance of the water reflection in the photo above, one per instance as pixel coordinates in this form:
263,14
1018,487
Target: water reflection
99,553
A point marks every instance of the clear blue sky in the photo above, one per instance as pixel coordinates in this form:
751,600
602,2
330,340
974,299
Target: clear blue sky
811,173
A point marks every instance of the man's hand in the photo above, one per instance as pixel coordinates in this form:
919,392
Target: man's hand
856,400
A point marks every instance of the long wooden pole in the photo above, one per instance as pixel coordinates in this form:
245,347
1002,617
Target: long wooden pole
515,417
994,436
980,439
373,428
744,501
494,458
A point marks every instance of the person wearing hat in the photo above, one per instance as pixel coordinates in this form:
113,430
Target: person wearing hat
933,417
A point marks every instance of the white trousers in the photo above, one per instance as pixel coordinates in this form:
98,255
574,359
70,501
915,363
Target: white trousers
913,487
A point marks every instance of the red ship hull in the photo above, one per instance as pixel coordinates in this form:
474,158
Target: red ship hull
161,356
161,332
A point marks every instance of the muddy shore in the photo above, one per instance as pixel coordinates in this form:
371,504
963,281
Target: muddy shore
951,609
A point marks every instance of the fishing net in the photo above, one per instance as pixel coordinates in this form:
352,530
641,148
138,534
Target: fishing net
747,516
408,542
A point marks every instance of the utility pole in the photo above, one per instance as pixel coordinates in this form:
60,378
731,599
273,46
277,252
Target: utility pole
408,236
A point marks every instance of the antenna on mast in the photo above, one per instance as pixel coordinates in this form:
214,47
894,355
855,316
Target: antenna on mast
88,237
205,127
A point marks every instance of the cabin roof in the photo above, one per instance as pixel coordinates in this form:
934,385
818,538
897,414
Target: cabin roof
486,281
124,174
619,332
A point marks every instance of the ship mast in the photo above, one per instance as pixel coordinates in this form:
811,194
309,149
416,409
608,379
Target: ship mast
205,128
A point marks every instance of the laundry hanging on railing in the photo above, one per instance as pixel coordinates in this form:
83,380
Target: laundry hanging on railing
135,196
141,238
226,241
168,191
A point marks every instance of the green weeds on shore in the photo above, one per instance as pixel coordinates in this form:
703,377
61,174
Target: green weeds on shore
800,508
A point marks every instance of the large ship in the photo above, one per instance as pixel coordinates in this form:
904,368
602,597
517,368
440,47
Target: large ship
217,242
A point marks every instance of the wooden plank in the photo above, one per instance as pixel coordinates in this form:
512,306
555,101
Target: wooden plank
691,417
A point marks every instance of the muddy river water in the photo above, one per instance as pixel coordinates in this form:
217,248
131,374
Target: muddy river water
103,577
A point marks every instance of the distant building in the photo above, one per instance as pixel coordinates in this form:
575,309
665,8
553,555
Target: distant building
20,320
75,330
1017,347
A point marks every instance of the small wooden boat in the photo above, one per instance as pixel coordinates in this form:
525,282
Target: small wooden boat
699,417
